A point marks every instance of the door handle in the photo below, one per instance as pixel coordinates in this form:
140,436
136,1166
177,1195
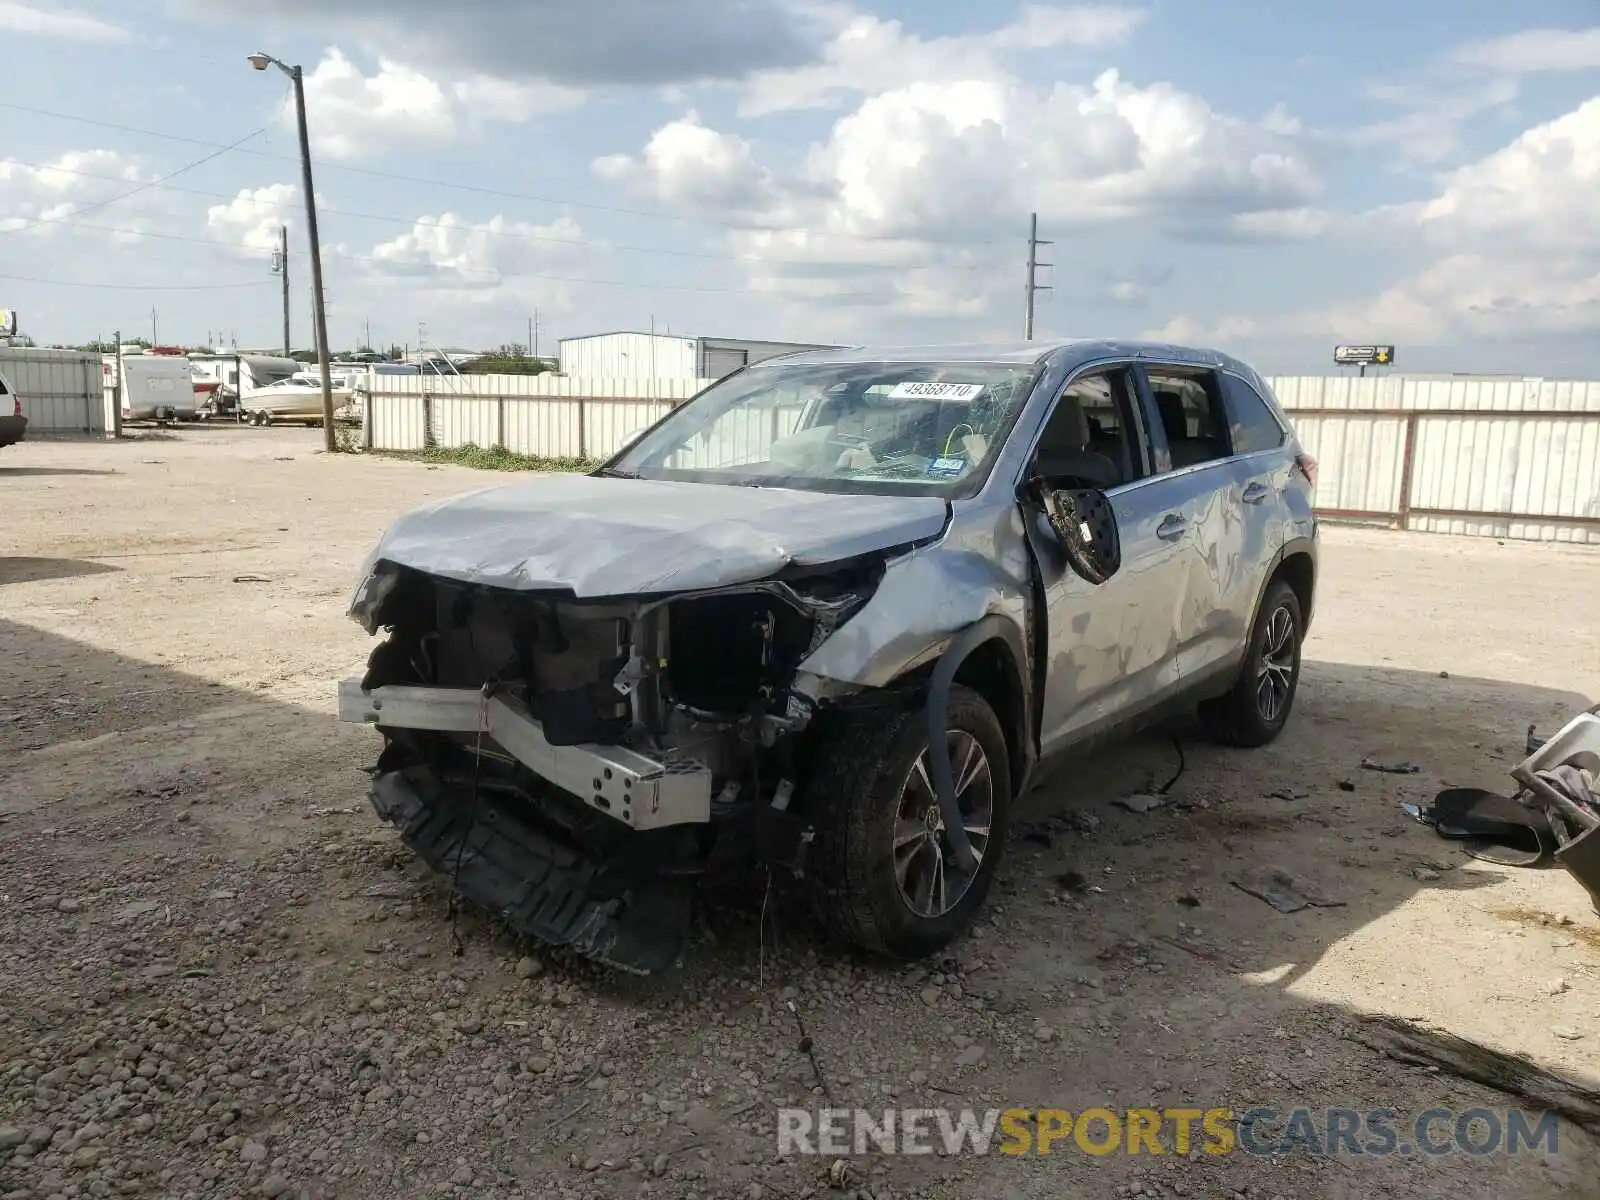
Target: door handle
1172,528
1255,493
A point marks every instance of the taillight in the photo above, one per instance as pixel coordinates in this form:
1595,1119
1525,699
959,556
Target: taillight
16,406
1308,467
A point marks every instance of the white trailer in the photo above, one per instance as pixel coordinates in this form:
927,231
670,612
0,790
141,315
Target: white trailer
154,387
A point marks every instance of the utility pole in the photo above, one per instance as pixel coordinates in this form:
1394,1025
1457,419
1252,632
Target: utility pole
319,312
1033,285
155,339
536,333
116,395
283,269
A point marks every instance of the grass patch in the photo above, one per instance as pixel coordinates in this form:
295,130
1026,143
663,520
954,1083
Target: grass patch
491,458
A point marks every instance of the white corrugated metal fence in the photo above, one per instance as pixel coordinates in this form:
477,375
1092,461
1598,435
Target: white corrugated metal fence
60,391
1491,457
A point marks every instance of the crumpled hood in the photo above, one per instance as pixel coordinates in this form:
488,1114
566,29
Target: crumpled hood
598,536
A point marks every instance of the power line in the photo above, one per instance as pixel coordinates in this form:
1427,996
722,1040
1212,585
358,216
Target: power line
109,200
654,214
475,229
138,287
490,273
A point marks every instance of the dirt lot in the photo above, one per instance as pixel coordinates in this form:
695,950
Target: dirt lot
222,976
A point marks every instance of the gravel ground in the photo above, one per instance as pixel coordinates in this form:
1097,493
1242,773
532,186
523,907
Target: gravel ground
224,977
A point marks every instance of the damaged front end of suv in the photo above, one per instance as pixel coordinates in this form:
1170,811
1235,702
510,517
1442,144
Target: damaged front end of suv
586,753
739,635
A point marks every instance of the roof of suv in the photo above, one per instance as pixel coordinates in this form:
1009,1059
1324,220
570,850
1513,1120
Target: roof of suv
1078,349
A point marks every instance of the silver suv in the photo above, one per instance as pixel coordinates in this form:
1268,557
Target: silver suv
830,615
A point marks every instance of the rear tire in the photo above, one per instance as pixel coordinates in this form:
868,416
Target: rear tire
1257,708
882,875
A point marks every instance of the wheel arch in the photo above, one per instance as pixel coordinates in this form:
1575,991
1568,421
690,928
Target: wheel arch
989,657
1297,566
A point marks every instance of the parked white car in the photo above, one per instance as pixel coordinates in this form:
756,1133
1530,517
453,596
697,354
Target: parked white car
13,425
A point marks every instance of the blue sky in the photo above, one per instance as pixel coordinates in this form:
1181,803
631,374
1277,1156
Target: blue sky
1272,177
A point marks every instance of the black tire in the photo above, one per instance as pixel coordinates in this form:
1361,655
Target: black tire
1242,717
858,784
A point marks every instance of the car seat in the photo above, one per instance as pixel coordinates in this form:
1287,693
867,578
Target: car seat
1064,457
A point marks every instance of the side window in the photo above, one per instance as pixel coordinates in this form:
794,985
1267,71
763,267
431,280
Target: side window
1091,439
1250,421
2,387
1191,415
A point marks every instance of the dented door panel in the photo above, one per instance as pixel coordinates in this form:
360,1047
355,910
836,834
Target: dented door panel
1111,646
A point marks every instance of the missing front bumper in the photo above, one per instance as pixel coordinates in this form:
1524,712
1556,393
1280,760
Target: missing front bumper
618,910
638,791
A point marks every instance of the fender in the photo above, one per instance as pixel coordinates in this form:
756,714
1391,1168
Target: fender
939,769
1295,545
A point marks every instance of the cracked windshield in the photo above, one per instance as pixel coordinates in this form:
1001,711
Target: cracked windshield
832,427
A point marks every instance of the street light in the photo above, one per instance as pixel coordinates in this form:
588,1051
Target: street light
261,62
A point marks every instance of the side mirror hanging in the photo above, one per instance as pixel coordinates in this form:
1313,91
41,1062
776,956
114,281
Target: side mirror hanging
1085,527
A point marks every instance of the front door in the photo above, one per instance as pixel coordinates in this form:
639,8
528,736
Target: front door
1110,649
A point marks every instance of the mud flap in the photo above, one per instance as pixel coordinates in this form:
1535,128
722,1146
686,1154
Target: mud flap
618,913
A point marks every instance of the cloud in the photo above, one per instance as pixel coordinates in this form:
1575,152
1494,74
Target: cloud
1429,115
252,218
586,44
892,202
867,54
692,168
1512,244
58,199
1534,50
352,115
485,259
59,23
1464,83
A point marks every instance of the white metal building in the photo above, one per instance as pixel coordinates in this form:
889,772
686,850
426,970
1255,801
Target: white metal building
625,354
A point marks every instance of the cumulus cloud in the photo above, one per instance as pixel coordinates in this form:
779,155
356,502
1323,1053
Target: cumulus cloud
693,168
866,54
453,252
67,23
906,183
60,198
1512,244
575,44
252,218
351,114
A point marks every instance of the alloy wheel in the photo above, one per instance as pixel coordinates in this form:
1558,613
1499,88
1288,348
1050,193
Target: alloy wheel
1275,673
931,882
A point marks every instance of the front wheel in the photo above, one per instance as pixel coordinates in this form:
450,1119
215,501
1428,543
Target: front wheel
1255,711
886,878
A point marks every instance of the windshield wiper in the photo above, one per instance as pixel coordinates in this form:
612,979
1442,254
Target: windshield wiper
617,473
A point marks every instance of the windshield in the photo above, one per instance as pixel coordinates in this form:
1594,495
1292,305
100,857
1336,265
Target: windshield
866,427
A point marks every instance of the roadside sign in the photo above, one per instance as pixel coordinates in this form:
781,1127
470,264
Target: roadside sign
1363,356
8,322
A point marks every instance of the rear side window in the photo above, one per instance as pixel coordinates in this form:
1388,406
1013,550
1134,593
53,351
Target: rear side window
1190,411
1250,421
2,386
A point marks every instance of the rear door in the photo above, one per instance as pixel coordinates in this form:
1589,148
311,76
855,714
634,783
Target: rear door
1219,507
1262,472
1110,651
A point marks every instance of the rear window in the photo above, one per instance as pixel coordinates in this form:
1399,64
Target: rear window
1250,421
